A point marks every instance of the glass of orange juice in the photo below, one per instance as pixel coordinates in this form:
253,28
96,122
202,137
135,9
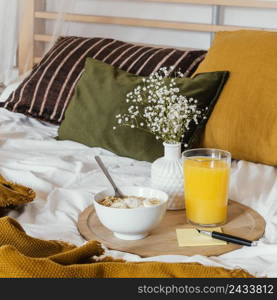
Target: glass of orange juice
206,185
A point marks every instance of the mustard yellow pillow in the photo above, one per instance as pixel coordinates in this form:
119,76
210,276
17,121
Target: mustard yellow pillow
244,120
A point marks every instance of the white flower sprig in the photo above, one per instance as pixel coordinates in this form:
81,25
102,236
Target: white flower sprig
157,106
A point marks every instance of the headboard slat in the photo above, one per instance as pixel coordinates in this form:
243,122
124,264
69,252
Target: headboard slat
34,17
201,27
28,26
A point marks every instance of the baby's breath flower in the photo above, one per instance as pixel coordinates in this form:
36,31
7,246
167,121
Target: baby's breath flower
159,107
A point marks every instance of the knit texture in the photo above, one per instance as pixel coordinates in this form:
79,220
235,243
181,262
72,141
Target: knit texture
12,194
24,256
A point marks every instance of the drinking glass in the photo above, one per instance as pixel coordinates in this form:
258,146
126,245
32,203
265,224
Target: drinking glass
206,185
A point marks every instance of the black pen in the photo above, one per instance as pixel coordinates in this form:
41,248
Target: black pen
228,238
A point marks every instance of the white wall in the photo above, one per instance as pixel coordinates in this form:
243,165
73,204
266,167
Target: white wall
160,11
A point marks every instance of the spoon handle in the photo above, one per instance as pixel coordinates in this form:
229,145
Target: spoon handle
107,174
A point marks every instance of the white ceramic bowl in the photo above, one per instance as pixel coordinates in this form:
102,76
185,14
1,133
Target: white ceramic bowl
131,223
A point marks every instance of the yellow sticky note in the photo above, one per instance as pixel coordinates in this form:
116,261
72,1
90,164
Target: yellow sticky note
191,237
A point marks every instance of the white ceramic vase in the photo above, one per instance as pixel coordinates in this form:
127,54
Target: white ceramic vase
167,175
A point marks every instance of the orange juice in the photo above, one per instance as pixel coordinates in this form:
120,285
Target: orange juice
206,190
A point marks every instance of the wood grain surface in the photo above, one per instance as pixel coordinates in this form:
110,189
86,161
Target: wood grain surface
242,221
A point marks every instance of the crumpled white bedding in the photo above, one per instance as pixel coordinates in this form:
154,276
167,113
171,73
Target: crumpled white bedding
64,174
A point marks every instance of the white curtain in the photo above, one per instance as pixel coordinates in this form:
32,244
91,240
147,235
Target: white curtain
9,16
59,27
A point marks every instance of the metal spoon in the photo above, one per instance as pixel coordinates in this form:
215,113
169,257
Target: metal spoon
117,191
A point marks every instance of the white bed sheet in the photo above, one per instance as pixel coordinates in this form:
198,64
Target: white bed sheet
64,176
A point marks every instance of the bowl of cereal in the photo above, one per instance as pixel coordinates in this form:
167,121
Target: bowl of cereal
133,216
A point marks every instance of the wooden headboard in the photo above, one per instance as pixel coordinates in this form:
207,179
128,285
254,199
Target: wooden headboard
32,33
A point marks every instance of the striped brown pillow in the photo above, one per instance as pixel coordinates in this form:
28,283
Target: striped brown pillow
46,92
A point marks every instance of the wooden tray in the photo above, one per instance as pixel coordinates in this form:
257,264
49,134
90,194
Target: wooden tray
242,221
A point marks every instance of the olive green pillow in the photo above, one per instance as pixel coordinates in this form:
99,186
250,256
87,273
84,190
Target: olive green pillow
100,95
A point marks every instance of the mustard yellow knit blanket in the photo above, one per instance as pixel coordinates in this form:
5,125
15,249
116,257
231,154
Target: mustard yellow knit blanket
25,256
